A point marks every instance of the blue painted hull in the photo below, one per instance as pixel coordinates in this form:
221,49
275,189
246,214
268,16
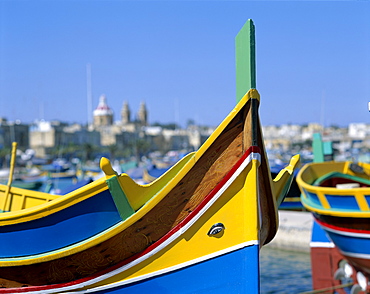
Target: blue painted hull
353,244
350,242
318,234
61,229
287,205
234,272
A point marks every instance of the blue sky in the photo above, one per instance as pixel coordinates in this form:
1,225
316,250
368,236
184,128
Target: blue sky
313,59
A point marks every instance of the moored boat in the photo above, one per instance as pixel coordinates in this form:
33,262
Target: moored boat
28,185
198,228
337,193
208,214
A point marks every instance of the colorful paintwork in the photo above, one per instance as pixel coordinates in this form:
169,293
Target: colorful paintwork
204,221
328,266
292,200
198,228
338,195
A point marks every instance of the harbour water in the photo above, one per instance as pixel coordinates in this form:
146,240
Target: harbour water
285,272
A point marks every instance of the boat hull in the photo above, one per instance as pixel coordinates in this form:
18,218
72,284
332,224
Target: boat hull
190,248
338,195
325,261
59,230
233,272
216,207
354,244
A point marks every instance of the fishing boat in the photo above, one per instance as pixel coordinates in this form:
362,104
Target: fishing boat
338,195
198,228
28,185
203,221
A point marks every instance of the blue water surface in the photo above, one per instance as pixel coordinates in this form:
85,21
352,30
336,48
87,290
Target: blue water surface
284,271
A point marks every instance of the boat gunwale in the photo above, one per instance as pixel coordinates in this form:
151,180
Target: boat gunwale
148,206
330,191
250,155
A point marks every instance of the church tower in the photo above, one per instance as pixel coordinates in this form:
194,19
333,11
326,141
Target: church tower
143,114
103,115
125,114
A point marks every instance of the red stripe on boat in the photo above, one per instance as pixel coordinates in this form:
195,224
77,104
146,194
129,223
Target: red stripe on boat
356,231
252,149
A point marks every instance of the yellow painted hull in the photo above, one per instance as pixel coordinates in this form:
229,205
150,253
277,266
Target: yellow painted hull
328,196
215,203
238,205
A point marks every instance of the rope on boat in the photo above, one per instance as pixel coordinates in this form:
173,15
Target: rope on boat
324,290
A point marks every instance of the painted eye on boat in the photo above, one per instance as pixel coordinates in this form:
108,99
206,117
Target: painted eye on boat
216,229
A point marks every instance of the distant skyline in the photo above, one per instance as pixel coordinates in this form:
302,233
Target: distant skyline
313,59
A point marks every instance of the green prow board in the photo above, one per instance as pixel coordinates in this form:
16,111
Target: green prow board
245,56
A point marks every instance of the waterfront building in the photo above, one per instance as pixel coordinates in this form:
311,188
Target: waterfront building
358,130
142,115
128,132
125,114
13,132
46,135
103,114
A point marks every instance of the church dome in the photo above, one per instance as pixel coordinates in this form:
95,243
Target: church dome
103,109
